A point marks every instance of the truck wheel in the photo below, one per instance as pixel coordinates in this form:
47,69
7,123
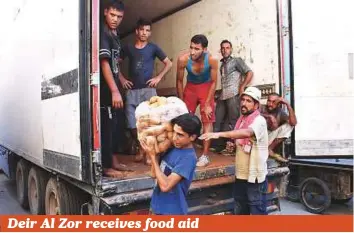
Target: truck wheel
62,199
315,195
36,190
22,183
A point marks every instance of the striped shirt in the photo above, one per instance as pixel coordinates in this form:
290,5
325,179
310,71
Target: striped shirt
110,47
231,70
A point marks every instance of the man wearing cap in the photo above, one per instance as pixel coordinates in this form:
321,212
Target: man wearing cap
251,138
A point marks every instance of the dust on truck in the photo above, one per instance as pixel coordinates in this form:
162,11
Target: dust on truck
49,87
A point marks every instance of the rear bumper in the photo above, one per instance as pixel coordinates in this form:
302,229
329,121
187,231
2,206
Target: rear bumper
206,196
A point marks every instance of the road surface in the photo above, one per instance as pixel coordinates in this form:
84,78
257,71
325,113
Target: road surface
9,204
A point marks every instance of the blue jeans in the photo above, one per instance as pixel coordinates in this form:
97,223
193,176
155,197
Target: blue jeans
250,198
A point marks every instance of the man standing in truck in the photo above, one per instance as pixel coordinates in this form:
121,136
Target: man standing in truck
110,95
202,71
235,76
141,84
280,124
251,155
175,172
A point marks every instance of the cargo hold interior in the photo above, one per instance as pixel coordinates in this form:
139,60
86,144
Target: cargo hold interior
221,169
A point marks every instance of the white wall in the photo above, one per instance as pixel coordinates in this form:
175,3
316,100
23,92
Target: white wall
249,25
324,92
41,42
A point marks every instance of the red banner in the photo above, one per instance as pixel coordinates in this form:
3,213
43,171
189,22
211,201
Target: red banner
227,223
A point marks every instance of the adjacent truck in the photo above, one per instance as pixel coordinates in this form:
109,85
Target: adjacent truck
49,90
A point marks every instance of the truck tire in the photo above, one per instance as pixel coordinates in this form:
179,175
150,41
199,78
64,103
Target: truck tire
22,169
319,188
62,198
37,180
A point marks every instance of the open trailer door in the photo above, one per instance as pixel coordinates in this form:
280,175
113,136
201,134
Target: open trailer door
323,77
64,98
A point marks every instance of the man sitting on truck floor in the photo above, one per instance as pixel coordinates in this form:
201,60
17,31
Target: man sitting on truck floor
110,94
141,84
251,155
202,71
280,124
175,172
235,76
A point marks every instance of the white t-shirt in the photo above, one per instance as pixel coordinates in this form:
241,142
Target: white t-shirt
251,163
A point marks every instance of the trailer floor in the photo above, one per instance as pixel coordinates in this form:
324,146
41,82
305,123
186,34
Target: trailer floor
142,170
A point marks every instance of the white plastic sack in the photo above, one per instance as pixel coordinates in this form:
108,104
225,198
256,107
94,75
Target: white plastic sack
153,121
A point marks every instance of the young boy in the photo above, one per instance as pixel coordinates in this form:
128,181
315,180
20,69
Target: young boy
175,172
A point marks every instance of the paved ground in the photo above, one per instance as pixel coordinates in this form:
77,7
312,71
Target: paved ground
9,204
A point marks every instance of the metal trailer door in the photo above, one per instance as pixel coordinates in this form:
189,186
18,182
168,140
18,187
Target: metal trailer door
323,46
42,86
64,99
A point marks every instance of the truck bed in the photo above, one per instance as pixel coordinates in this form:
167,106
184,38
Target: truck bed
337,163
140,169
210,191
139,178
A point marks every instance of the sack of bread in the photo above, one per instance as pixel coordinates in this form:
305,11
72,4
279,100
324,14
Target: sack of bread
153,119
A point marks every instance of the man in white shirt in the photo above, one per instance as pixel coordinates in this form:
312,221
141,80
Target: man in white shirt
251,138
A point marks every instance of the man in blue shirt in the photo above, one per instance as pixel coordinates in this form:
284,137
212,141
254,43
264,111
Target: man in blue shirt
175,172
141,84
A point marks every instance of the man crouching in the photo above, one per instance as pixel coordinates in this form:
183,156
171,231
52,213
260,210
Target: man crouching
174,173
279,123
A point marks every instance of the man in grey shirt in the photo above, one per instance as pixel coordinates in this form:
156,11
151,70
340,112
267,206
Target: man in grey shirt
235,76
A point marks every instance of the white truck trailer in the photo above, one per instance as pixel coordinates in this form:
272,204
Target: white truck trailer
49,91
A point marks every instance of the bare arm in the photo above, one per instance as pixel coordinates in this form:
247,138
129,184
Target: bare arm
214,74
127,84
108,76
234,134
180,76
166,183
156,80
167,67
247,80
292,116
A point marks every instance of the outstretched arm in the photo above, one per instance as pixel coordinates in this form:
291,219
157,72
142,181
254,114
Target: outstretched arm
234,134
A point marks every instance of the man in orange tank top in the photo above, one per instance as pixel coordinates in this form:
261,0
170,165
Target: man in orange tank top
202,71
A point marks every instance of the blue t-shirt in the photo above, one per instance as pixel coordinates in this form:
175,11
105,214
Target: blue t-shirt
183,163
141,62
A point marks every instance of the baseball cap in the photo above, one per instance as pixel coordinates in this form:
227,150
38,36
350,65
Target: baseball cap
253,92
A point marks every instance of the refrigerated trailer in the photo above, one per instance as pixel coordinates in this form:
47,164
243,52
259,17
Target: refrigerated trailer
49,89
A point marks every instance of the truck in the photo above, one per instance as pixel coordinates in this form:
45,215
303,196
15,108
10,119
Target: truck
49,114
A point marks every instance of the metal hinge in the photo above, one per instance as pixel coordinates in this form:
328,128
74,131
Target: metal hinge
95,78
285,31
96,156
